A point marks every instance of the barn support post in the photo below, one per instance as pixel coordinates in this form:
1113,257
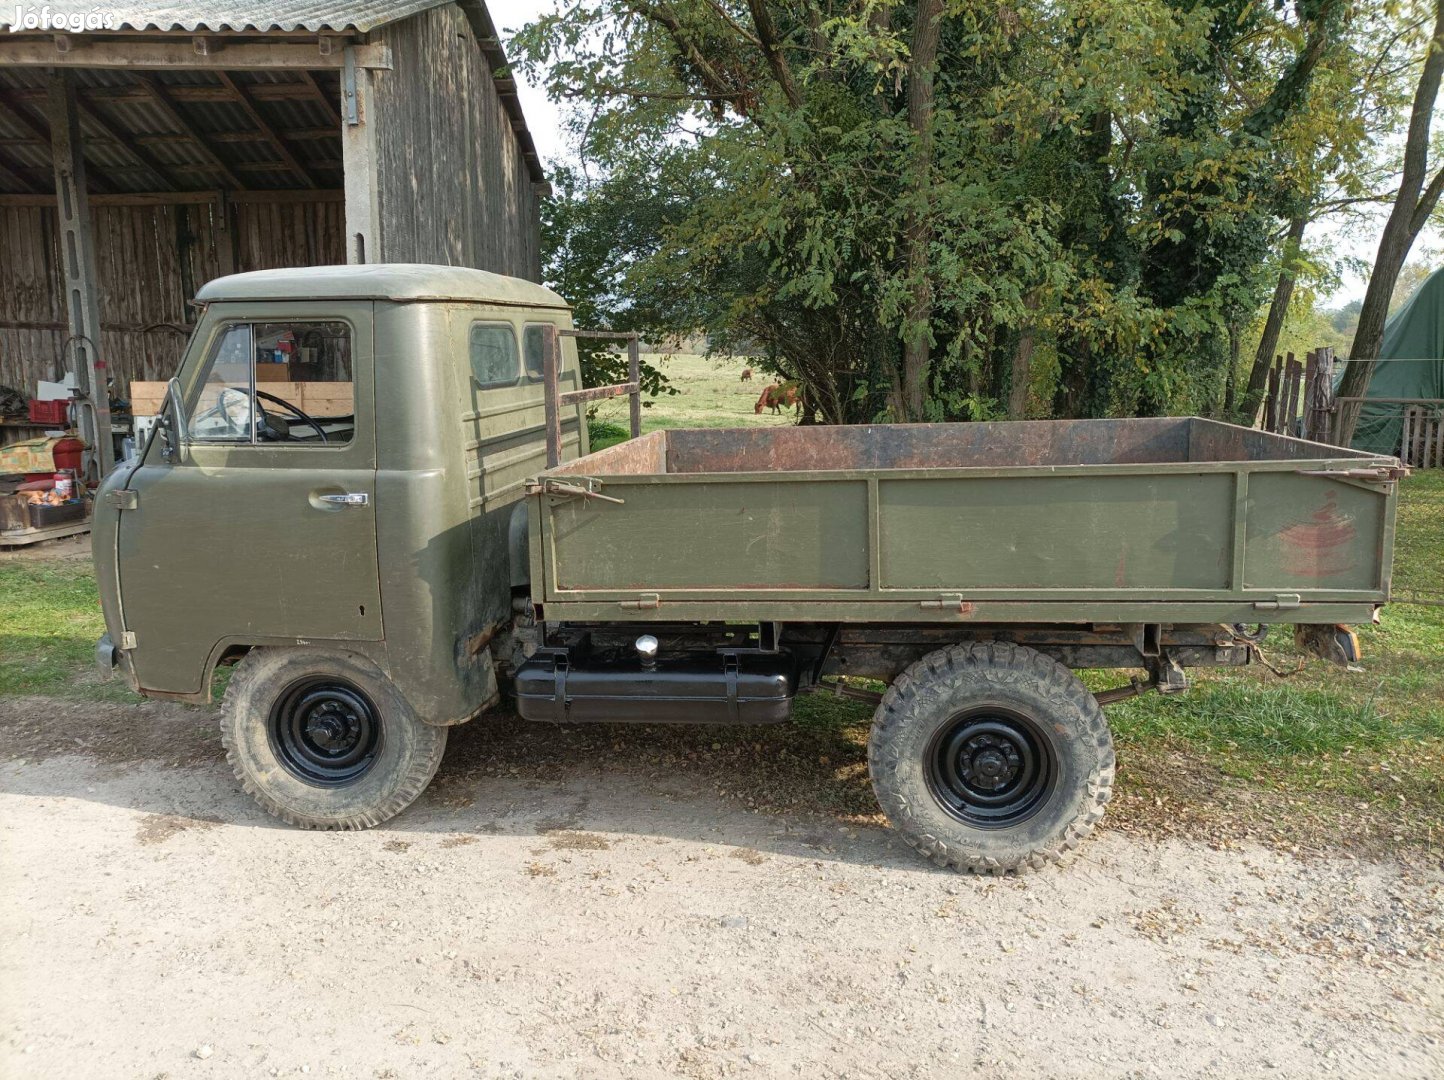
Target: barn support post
359,161
77,256
225,234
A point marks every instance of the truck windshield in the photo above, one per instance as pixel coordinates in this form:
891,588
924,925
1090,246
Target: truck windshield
277,382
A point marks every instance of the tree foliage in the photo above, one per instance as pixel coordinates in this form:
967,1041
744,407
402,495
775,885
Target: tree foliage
953,209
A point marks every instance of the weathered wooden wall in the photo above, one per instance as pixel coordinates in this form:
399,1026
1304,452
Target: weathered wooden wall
151,259
453,186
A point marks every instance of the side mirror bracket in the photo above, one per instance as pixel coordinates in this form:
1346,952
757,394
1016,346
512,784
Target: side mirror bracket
170,429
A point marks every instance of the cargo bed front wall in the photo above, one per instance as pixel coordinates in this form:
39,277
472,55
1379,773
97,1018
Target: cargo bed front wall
847,544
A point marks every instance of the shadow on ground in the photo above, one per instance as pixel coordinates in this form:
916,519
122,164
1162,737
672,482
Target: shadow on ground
806,786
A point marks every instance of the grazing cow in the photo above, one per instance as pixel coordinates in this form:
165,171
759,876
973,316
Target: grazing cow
778,397
747,374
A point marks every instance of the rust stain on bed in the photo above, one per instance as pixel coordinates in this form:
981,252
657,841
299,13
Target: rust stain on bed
1322,546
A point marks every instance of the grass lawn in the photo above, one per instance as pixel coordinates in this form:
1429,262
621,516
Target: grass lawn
1323,756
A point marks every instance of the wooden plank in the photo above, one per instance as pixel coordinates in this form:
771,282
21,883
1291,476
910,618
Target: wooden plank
599,393
634,378
551,371
1271,401
184,198
316,398
26,51
1323,418
1311,393
1293,376
21,537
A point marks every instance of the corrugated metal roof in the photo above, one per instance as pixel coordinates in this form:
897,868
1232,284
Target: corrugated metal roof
218,15
274,16
123,126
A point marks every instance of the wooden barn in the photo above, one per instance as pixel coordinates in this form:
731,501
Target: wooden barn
144,152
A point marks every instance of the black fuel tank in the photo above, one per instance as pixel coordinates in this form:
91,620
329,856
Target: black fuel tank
687,688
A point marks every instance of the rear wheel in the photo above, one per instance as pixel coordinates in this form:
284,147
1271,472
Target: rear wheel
991,758
323,740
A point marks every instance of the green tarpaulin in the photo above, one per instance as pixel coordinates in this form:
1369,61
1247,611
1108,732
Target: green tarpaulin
1411,365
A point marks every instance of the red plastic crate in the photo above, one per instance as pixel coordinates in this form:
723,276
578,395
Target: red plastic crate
48,412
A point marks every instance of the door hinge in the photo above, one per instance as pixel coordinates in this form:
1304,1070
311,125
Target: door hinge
1281,602
645,602
127,639
953,603
123,499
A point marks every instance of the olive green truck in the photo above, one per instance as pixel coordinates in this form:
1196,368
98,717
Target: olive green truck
370,490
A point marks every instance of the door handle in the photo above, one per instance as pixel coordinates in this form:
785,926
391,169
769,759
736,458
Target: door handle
351,498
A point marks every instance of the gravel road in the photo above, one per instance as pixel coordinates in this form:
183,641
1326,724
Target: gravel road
593,920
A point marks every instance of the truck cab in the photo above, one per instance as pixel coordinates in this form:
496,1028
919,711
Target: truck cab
341,455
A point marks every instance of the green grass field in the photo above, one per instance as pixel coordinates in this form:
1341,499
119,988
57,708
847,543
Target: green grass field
710,393
1321,756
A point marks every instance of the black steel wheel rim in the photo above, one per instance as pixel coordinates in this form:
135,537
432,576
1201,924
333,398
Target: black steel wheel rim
991,767
325,730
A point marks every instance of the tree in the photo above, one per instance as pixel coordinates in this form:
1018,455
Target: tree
918,209
586,251
1412,208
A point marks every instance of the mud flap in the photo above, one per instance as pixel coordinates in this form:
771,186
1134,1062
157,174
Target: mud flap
1337,644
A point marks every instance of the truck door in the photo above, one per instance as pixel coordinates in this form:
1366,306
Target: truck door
260,526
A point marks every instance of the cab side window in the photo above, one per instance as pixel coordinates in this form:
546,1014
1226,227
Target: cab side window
290,383
494,359
534,352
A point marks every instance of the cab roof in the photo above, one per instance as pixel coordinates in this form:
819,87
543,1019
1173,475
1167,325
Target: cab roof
381,281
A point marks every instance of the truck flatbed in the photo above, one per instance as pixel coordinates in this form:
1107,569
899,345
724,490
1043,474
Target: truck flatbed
1167,520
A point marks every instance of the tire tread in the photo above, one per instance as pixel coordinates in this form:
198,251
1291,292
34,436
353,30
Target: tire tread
243,689
910,692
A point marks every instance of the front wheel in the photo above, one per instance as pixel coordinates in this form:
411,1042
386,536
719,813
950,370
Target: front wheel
323,740
991,758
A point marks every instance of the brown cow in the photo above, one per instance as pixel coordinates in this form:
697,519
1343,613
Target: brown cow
747,374
778,397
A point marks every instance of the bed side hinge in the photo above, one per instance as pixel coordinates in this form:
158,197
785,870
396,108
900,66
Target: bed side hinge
1281,602
584,489
644,602
1378,474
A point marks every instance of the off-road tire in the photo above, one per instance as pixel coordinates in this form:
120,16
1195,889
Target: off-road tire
407,756
926,698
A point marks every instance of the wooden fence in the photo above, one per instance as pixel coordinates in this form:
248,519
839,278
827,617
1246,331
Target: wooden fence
1300,396
1300,401
1422,445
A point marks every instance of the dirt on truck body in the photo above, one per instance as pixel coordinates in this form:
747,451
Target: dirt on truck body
377,479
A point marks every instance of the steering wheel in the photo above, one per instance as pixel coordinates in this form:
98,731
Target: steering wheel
266,423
